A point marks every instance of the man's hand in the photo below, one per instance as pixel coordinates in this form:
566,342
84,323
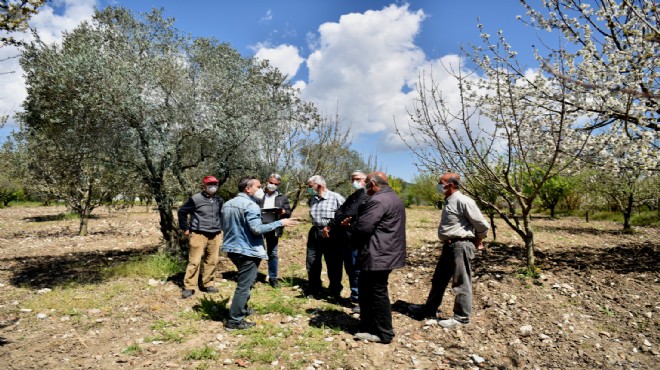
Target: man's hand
479,243
346,221
187,233
325,232
289,222
282,211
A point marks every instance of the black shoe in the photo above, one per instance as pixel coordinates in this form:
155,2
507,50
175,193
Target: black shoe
240,326
356,309
187,293
274,283
211,289
419,311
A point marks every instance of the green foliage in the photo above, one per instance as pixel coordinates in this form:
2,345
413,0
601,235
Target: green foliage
204,353
264,344
424,191
212,309
132,350
158,266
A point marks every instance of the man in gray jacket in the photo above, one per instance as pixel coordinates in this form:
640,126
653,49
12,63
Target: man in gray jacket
205,211
380,231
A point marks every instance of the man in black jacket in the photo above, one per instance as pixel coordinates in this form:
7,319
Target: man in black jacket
345,218
204,233
381,231
277,204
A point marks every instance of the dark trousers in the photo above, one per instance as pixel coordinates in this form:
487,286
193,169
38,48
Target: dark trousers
375,307
271,247
454,265
318,248
352,270
247,275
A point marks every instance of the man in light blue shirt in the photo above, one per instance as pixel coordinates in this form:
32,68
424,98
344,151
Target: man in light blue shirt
244,243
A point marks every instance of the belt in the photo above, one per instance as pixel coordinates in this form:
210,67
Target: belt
454,240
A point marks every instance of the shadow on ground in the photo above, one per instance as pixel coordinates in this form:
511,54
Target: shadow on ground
577,230
57,217
52,271
333,319
499,258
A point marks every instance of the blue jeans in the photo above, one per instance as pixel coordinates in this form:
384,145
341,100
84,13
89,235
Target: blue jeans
271,245
454,265
352,271
247,275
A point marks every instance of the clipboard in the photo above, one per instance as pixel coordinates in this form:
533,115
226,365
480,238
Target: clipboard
269,215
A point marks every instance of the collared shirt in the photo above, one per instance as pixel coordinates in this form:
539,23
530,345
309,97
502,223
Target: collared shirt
269,200
322,208
461,218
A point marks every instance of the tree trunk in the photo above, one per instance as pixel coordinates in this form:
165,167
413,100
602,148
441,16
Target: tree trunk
627,213
552,211
167,227
586,216
529,242
492,224
84,220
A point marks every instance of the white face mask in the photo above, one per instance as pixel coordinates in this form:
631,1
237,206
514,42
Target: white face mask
259,194
357,185
211,189
271,187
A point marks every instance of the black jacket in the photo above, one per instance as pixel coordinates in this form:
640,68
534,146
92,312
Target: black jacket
381,230
281,202
206,213
348,209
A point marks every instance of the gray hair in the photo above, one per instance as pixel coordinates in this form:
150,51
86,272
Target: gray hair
359,173
275,176
317,180
454,179
379,180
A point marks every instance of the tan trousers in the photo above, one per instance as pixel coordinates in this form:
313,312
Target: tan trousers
206,247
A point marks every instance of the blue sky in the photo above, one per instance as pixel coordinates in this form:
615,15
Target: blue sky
361,58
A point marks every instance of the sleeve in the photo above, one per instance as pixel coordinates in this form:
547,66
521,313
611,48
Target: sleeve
253,218
183,212
370,214
473,214
286,206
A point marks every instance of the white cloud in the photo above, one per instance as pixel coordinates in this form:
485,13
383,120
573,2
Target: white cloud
268,17
284,57
49,25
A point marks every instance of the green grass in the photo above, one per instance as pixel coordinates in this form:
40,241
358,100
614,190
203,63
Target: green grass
204,353
167,336
157,266
607,311
265,344
132,350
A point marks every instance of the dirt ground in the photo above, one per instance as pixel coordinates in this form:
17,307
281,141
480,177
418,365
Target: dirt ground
595,304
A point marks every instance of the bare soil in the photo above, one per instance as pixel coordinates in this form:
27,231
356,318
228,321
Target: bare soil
595,304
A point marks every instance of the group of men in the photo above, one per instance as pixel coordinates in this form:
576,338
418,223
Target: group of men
364,233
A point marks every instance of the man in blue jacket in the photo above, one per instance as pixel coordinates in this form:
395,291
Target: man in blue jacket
204,209
244,244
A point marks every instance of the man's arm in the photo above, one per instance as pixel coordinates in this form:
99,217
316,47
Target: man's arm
369,215
286,208
253,218
476,218
183,212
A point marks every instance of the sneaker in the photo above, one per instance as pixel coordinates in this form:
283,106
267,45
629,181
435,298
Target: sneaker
356,309
419,310
211,289
240,326
274,283
451,323
368,337
187,293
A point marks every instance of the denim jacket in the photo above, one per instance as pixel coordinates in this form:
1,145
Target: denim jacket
241,222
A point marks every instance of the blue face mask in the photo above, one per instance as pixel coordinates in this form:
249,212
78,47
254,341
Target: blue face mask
441,188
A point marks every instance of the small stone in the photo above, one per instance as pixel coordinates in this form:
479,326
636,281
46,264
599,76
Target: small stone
543,336
605,334
526,330
477,359
647,343
44,291
65,318
26,310
649,314
329,339
153,282
274,363
93,311
431,322
41,316
220,337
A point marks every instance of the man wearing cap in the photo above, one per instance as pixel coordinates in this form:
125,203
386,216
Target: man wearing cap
205,211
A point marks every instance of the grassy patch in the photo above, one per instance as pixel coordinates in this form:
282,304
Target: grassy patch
153,266
169,332
74,299
313,339
606,310
264,344
132,350
204,353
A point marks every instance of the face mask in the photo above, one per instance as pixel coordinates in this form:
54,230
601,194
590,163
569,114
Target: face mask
357,185
259,194
211,189
311,191
271,187
441,188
